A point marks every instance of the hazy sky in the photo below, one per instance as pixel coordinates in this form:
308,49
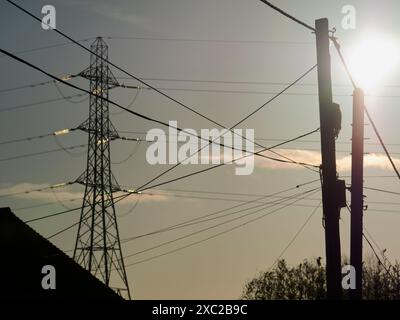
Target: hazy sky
267,48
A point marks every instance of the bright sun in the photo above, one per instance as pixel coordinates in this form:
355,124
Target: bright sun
372,60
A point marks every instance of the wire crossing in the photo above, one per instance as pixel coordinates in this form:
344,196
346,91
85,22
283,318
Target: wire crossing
215,235
129,74
246,209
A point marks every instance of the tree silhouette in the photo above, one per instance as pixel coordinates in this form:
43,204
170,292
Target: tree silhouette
306,281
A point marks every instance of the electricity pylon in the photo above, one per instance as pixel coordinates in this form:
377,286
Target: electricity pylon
98,247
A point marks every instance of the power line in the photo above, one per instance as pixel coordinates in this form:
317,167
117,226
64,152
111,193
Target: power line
37,84
306,94
48,47
33,104
382,190
42,205
185,224
208,40
50,215
235,125
120,69
40,153
71,226
215,215
151,194
26,138
338,49
214,81
33,85
112,64
383,210
130,105
221,164
372,247
260,208
376,255
244,92
288,15
241,121
184,196
237,194
58,200
237,82
190,222
41,136
130,155
141,81
395,168
253,92
275,97
68,98
284,148
60,213
211,237
141,115
68,149
58,185
389,203
382,143
162,230
131,209
296,235
121,197
382,252
264,1
62,230
270,139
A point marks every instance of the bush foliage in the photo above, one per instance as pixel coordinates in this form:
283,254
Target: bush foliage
306,281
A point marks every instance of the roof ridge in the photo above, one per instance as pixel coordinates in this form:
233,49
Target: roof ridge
8,210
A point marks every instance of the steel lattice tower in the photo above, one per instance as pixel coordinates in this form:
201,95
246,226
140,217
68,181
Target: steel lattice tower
98,247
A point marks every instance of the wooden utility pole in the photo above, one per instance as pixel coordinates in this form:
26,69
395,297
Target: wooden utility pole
329,179
357,201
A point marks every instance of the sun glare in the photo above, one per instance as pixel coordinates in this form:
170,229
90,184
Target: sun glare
372,60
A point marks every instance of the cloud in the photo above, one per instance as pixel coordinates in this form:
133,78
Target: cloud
62,193
146,197
373,160
66,194
305,156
